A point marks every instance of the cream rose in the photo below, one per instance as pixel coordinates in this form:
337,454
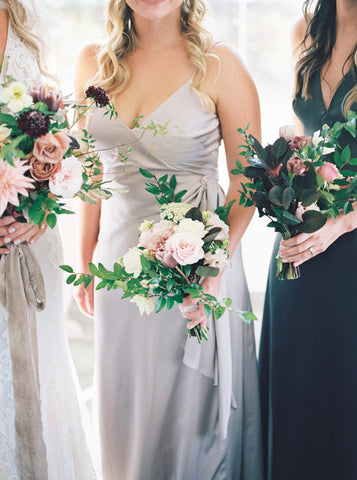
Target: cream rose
186,247
146,305
219,259
132,261
193,226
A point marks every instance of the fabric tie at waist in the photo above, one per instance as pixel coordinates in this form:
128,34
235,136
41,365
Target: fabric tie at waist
22,292
213,358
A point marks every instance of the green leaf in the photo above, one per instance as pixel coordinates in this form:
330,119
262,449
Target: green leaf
71,278
87,280
79,280
93,269
66,268
170,302
208,310
288,197
290,219
51,220
163,179
338,159
146,173
312,220
173,182
161,303
207,271
276,196
194,214
346,154
248,316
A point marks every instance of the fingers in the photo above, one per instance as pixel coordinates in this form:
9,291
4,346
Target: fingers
196,316
85,299
41,230
5,226
4,251
18,233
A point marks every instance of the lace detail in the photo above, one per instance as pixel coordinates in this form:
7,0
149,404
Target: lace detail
67,451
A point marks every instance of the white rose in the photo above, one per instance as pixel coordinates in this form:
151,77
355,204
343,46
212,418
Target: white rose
67,181
4,132
219,259
132,261
316,139
192,226
16,97
215,221
146,305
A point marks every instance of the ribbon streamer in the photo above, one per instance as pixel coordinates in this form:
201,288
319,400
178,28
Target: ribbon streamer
22,292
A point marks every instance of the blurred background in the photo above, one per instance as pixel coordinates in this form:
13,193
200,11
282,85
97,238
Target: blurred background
260,31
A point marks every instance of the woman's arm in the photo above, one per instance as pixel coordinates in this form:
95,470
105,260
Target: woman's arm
89,214
237,103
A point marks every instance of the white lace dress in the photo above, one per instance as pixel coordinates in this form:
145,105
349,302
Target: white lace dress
66,446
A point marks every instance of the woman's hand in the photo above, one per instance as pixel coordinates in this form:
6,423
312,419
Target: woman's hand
84,298
193,310
14,232
303,247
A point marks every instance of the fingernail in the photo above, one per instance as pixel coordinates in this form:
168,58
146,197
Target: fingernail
7,240
17,241
11,230
32,241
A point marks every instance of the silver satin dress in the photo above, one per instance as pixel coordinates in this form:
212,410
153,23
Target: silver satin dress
168,408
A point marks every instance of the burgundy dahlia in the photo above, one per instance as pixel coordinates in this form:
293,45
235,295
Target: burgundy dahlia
34,123
99,95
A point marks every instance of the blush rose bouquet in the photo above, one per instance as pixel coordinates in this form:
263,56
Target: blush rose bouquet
41,162
172,257
300,181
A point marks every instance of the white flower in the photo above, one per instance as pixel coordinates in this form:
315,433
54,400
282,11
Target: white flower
132,261
16,97
67,181
4,132
192,226
146,225
146,305
219,259
174,211
316,139
215,221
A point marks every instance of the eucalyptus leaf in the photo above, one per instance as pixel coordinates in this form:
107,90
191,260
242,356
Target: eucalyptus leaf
313,220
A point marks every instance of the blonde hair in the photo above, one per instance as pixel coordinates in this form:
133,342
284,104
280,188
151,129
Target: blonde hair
113,69
22,24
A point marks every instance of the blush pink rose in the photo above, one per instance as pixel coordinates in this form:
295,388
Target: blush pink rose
166,258
154,239
42,171
186,247
51,147
328,172
67,181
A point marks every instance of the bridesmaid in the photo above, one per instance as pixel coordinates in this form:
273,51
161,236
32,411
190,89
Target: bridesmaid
308,350
170,409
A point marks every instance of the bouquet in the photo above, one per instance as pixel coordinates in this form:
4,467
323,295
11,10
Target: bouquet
299,181
172,257
41,163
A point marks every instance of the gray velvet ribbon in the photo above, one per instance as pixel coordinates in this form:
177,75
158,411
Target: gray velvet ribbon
213,358
22,292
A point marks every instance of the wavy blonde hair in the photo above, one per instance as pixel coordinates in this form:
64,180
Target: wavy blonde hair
22,24
113,69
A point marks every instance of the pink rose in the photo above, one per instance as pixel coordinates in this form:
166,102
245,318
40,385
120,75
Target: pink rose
328,171
300,142
51,147
186,247
154,239
42,171
296,166
67,181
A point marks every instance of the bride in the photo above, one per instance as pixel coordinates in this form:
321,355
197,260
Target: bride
64,451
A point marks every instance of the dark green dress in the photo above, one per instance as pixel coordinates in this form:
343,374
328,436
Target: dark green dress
308,353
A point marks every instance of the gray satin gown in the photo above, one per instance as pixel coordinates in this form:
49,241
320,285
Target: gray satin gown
168,408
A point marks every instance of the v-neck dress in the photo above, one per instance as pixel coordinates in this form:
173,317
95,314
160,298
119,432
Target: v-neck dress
308,353
168,408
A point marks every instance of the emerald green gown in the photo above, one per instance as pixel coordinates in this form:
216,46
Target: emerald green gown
308,353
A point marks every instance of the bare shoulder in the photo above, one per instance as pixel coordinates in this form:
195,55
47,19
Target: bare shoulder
226,70
297,36
87,65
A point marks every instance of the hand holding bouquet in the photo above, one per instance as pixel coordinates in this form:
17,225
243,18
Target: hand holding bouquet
298,182
40,162
172,257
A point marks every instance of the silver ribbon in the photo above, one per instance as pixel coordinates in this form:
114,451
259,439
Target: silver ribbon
213,358
22,292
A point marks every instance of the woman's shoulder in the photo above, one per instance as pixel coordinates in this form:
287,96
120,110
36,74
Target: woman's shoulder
87,65
297,36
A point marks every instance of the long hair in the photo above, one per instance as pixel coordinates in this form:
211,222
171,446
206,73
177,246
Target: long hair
317,45
113,70
22,23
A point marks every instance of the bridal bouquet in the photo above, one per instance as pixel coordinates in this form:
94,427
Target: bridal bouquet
172,257
299,181
41,163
